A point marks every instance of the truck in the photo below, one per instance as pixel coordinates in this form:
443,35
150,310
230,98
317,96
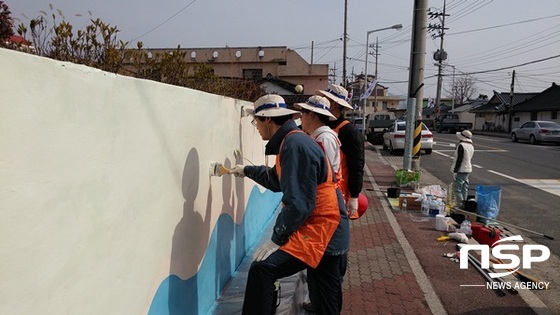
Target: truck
377,124
359,123
451,123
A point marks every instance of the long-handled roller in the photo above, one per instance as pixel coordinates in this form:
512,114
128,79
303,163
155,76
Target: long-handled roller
501,222
522,276
500,279
498,291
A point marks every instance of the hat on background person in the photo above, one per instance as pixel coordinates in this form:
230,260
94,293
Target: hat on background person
465,135
317,104
337,94
271,105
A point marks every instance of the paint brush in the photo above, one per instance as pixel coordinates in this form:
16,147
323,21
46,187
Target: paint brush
218,169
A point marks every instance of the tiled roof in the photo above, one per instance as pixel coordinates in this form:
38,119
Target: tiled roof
502,99
548,99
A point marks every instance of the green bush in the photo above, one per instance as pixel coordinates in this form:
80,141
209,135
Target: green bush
98,46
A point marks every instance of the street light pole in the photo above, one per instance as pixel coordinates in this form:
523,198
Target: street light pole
344,81
394,27
454,92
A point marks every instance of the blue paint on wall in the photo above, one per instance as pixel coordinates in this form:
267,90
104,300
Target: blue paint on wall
228,246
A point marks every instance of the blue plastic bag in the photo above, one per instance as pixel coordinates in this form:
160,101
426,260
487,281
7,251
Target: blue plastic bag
488,202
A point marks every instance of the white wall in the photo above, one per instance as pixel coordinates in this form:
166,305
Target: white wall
106,199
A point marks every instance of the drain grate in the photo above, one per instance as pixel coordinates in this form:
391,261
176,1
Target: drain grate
394,159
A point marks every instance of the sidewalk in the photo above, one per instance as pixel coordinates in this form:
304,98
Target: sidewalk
396,266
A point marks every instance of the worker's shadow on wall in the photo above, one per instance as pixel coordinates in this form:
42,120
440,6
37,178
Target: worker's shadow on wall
230,230
225,231
239,199
189,242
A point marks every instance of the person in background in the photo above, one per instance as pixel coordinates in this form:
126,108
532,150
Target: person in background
310,231
352,147
461,167
315,115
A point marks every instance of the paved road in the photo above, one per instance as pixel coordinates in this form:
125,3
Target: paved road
530,180
529,176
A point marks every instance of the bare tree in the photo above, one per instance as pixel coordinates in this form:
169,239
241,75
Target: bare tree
462,88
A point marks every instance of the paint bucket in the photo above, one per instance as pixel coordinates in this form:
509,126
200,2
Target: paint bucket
470,205
442,222
484,234
393,192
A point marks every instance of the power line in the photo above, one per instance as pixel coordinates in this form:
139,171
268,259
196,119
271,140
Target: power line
174,15
511,67
503,25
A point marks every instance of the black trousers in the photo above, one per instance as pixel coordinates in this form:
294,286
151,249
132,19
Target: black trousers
325,283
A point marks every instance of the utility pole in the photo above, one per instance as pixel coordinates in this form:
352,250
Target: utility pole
312,46
344,81
332,76
416,80
375,78
454,92
511,100
440,55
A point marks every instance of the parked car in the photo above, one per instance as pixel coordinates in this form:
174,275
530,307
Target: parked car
537,131
394,137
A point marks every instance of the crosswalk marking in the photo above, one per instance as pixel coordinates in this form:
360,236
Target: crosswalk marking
549,185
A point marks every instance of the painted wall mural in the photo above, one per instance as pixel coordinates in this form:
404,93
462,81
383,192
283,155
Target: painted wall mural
106,198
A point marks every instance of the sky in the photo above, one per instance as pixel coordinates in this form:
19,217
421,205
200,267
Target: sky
486,39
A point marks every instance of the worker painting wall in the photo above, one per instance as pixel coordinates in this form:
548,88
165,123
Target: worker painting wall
106,199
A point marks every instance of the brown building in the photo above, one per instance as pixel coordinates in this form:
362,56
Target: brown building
273,62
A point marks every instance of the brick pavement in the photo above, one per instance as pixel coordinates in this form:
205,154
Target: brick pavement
379,279
388,275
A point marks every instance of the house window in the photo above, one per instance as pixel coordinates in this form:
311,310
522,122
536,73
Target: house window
554,114
252,73
534,115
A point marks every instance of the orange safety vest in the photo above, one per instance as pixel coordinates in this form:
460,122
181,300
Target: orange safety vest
343,167
309,242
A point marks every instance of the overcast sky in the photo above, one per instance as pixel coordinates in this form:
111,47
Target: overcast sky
482,37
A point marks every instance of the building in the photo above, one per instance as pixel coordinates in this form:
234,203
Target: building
257,63
494,115
543,106
17,42
378,100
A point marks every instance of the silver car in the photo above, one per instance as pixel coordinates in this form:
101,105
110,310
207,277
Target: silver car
394,138
537,131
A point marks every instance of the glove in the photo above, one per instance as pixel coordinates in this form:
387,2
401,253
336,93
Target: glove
265,250
237,171
352,207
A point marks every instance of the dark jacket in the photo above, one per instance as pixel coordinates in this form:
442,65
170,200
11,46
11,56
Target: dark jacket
304,167
352,145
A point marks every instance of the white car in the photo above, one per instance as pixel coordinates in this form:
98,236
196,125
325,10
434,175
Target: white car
394,137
